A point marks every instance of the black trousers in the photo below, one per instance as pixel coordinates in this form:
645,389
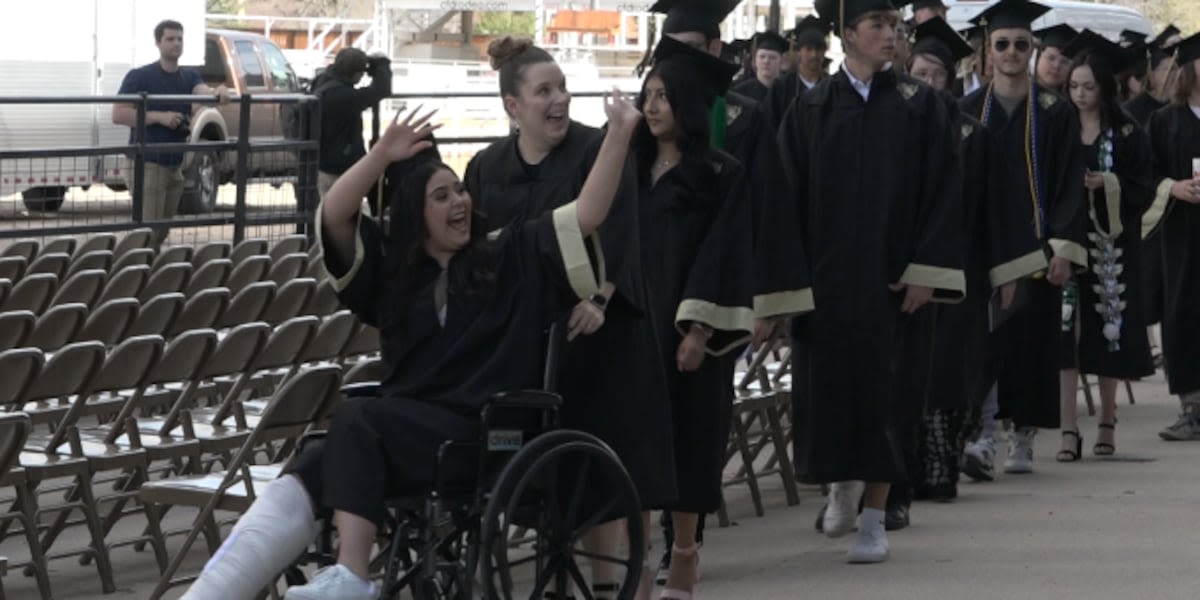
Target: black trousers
378,448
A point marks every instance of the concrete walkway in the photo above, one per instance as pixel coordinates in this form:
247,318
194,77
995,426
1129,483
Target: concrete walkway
1122,528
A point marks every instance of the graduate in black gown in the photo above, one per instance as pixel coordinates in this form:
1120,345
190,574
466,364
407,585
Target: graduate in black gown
740,127
810,38
609,383
1052,59
696,251
1160,79
1036,160
866,154
963,365
1175,135
769,48
1104,332
460,318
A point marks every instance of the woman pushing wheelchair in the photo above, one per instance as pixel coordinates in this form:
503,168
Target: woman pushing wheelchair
461,317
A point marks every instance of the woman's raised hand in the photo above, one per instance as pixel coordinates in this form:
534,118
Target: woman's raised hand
622,114
405,139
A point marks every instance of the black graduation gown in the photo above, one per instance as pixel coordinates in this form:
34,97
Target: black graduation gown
752,89
1028,341
1142,107
1175,135
610,383
696,253
1128,192
782,94
488,344
872,214
781,281
437,376
964,366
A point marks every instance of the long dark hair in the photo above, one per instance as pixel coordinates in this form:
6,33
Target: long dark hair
472,271
1112,116
690,108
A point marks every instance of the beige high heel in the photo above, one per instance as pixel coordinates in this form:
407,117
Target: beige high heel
688,552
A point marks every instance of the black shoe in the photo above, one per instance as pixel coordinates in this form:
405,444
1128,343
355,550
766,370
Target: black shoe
939,492
664,567
896,518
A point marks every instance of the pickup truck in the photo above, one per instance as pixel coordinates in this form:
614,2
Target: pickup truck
245,63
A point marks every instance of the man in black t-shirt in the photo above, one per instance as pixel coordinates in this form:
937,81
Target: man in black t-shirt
166,123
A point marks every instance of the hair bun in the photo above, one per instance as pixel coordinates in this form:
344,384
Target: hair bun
502,50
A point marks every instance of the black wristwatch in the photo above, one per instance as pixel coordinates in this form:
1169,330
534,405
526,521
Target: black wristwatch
599,300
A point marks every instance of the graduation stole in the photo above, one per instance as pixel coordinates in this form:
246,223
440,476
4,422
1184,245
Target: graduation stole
1032,151
716,123
1106,255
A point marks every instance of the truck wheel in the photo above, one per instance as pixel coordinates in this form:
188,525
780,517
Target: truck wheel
200,183
44,199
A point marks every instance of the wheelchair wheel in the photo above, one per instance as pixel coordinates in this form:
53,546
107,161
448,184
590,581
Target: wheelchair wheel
559,487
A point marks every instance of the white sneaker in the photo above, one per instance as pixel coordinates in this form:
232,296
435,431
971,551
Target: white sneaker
979,459
1185,429
1020,451
334,583
870,547
842,508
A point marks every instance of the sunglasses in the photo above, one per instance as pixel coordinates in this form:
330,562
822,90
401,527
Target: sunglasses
1002,44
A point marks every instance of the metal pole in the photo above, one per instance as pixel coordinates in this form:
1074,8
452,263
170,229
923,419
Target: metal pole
243,166
139,161
773,17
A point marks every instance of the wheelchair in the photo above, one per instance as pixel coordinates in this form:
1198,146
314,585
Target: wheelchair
505,515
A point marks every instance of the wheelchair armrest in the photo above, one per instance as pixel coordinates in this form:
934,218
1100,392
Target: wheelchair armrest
535,399
532,411
366,389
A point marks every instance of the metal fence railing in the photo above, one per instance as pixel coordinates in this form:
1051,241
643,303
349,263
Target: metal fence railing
244,177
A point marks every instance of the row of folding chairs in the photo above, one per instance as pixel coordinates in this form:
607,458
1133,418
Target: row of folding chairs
41,291
30,250
142,405
166,314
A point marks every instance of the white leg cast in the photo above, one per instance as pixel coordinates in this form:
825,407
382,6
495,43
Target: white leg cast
265,540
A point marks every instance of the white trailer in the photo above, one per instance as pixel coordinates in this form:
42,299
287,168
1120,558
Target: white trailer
76,48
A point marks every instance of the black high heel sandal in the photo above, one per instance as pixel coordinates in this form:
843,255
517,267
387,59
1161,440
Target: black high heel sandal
1071,455
1105,448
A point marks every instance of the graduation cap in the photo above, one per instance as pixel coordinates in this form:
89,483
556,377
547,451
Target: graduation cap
1058,36
938,38
840,13
1010,14
769,40
1089,43
1188,50
810,31
694,15
1160,40
1157,55
919,4
712,74
735,52
1133,38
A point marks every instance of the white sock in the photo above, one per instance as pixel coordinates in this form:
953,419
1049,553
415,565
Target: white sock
265,540
871,521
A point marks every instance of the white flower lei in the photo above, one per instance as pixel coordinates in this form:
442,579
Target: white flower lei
1106,264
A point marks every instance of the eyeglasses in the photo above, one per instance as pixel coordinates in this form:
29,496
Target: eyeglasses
1021,45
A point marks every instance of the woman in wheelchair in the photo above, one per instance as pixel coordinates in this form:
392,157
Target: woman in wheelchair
460,318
